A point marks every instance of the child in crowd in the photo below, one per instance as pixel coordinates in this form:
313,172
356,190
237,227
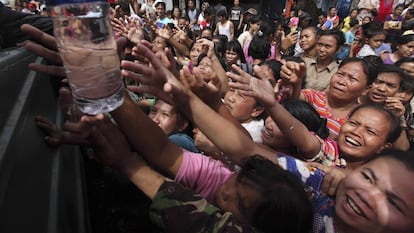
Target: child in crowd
374,36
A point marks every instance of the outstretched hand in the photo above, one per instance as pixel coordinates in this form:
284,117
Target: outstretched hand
259,88
110,145
156,79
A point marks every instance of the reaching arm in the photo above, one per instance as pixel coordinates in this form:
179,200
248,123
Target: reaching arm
292,73
229,138
260,88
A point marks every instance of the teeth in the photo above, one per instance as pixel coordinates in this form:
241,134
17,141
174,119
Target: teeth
352,141
354,206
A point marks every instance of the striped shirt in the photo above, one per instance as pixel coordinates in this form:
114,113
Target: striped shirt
318,101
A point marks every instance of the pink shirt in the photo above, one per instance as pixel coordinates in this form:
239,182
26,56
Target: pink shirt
202,174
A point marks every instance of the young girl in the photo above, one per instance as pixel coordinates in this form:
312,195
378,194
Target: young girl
374,36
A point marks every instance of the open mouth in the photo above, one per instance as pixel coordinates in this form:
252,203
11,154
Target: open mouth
267,133
352,141
351,204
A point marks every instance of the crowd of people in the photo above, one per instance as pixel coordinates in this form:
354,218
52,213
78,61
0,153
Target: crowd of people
234,122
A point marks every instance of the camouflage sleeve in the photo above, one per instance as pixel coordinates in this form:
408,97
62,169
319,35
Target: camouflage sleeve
178,209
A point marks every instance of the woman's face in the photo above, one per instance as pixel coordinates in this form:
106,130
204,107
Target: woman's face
377,197
348,83
354,14
364,134
406,50
398,10
332,12
366,20
272,136
176,13
308,39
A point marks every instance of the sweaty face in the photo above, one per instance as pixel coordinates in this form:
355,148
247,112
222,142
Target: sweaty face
326,47
238,197
364,134
377,197
386,85
348,83
164,116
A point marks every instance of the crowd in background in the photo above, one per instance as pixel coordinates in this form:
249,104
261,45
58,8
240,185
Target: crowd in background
294,124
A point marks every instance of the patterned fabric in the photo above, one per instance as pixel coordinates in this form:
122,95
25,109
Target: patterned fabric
318,101
177,209
329,153
324,207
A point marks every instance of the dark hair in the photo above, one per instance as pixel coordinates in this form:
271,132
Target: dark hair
255,19
395,128
372,29
235,46
405,157
367,67
220,45
284,205
324,14
404,60
222,13
337,34
209,11
306,114
259,47
124,7
407,83
402,40
275,67
386,68
353,22
160,3
200,58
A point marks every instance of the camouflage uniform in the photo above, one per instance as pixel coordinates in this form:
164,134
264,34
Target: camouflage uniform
178,209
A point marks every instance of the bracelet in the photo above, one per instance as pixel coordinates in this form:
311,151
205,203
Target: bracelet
291,127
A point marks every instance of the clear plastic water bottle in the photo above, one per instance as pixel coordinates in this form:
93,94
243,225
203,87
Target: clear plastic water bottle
88,49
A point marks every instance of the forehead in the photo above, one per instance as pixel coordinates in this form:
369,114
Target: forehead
327,39
390,172
389,77
161,105
371,116
378,37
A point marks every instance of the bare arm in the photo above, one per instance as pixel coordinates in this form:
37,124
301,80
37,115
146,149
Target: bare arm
262,90
292,73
